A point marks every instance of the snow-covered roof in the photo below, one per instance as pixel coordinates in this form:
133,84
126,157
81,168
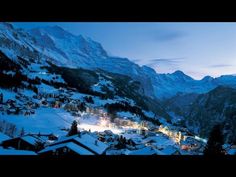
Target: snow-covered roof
160,141
169,150
16,152
31,139
64,138
232,152
76,148
89,141
7,94
86,140
3,137
144,151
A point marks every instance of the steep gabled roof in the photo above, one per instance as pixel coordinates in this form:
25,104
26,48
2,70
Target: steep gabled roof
85,140
76,148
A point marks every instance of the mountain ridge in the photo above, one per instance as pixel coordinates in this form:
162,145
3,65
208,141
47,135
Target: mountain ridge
62,48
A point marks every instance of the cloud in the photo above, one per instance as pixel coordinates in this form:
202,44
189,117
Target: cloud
168,60
167,35
220,66
136,60
165,61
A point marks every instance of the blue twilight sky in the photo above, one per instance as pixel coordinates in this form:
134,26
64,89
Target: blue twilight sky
198,49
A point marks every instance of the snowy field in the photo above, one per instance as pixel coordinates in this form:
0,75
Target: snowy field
45,120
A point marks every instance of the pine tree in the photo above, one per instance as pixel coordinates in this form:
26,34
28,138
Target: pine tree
82,107
22,132
215,142
79,134
17,111
73,130
1,98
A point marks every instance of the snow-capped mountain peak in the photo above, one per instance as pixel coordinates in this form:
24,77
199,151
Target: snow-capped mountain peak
51,30
68,49
180,75
207,79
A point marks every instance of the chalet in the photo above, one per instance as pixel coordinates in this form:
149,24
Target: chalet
14,110
11,103
72,106
190,143
85,141
44,102
56,104
27,142
65,149
31,105
107,136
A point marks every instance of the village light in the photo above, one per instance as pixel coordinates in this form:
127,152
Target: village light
103,122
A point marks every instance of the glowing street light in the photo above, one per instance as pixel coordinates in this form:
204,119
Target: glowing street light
103,122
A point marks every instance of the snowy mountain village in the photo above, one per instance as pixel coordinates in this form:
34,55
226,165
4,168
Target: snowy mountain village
81,126
102,106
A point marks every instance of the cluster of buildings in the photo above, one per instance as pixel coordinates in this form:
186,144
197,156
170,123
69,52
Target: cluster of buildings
26,105
49,145
187,143
175,135
23,105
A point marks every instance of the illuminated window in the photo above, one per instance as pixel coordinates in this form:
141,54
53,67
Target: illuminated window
65,149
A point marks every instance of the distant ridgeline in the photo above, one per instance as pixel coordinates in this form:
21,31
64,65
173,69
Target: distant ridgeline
202,111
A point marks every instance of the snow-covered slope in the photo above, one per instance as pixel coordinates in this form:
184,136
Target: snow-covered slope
62,48
78,51
68,49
